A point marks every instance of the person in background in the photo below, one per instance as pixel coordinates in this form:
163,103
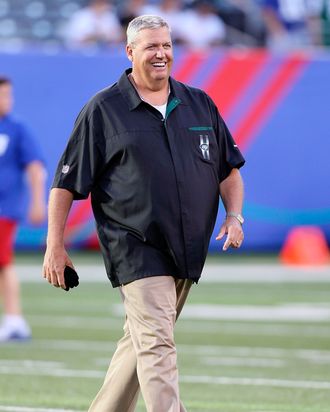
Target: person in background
290,24
200,26
156,156
244,22
96,25
171,11
19,156
325,22
128,10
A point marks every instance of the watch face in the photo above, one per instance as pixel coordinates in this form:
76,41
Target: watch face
240,219
237,216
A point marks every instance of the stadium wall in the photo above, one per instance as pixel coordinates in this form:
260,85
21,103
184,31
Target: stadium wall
277,107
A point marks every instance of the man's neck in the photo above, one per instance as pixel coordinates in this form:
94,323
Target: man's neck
155,94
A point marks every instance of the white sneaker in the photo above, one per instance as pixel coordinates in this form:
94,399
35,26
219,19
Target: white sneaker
14,331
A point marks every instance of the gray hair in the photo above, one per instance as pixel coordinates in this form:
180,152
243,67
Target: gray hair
144,22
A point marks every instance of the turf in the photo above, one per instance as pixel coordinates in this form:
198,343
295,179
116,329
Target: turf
229,365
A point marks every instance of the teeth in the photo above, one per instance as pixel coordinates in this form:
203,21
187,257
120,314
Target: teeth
159,64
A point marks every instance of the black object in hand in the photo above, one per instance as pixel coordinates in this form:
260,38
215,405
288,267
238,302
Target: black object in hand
70,277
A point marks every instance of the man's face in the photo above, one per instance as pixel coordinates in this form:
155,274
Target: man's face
6,99
151,55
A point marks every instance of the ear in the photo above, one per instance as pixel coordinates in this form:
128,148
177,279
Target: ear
129,52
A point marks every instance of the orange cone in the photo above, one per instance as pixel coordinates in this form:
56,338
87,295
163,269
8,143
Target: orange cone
305,245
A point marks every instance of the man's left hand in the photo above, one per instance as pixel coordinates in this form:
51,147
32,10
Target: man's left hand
234,231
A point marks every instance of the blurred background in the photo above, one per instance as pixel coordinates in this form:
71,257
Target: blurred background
266,64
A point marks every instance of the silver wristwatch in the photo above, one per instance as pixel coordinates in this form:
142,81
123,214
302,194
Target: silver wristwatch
237,216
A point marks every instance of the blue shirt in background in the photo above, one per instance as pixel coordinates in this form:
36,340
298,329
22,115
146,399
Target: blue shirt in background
292,13
18,148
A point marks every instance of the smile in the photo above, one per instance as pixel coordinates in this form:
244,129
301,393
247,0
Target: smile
160,64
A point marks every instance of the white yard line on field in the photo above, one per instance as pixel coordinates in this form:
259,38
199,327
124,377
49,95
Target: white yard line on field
29,363
198,350
224,361
217,380
248,362
214,361
281,383
249,328
213,272
213,350
283,312
107,349
185,325
75,345
4,408
57,373
76,322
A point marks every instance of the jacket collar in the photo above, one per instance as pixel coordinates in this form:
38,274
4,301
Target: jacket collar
133,99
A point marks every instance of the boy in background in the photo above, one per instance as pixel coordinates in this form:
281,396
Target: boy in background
20,158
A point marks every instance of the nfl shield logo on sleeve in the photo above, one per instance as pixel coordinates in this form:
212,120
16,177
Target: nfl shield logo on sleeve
65,169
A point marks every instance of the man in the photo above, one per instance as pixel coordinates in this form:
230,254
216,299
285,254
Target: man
154,154
19,156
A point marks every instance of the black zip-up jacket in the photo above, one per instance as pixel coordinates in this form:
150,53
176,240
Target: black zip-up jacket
154,182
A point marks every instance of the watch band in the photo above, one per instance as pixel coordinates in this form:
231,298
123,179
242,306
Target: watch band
237,216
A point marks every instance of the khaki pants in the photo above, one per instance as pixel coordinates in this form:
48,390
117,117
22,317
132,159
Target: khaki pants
146,355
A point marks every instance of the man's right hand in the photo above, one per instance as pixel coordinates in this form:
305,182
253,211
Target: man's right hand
56,258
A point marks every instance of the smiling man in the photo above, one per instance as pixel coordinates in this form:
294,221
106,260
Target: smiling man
155,154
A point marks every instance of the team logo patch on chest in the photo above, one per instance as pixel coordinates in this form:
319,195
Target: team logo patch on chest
204,145
4,141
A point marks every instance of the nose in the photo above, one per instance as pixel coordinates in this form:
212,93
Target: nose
160,53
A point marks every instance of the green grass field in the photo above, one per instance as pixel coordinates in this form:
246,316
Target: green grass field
243,346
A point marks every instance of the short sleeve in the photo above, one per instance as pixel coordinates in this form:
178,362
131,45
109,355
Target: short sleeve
230,155
82,158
